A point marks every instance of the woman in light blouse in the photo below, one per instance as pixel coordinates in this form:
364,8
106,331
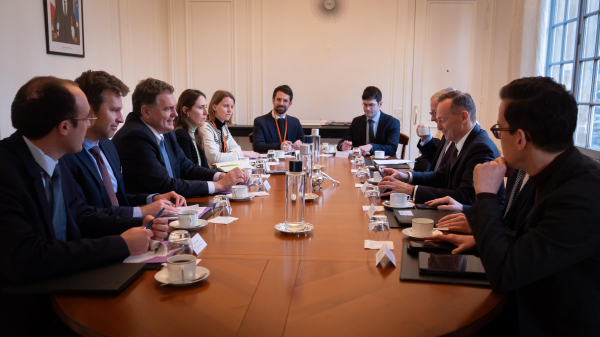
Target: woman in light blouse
219,144
192,111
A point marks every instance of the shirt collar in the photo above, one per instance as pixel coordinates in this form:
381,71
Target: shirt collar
461,142
158,136
47,163
275,116
540,179
376,117
88,144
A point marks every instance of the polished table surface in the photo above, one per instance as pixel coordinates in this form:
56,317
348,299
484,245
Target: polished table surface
265,284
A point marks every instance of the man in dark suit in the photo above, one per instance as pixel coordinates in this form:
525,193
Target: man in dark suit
64,19
276,129
48,230
375,131
551,268
97,168
470,146
151,159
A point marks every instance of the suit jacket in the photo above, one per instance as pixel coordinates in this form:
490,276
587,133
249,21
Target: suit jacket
387,135
429,154
457,181
30,250
63,22
91,187
187,146
266,135
143,166
553,267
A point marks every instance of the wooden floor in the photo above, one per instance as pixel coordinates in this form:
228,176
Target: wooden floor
266,284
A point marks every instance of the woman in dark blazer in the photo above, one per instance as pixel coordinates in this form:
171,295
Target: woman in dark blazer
192,110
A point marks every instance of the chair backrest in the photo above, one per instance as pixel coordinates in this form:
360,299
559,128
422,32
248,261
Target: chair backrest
404,143
251,138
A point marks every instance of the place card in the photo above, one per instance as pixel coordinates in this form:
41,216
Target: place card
408,213
371,210
259,194
326,155
342,154
370,244
198,244
353,170
385,255
266,176
377,208
358,185
224,220
270,163
267,185
363,188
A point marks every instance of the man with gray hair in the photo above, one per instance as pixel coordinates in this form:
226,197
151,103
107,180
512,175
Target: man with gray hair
470,145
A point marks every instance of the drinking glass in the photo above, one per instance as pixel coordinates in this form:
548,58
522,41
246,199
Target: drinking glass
356,152
362,173
373,196
255,184
324,147
287,147
379,228
221,206
261,167
181,240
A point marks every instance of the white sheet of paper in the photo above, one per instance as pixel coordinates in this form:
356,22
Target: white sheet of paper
384,255
393,161
363,188
353,170
409,213
267,185
358,185
198,244
370,244
377,208
372,210
224,220
263,155
343,154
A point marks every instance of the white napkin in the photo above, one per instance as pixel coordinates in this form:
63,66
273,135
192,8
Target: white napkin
265,176
353,170
326,155
259,194
378,208
224,220
370,244
269,163
358,185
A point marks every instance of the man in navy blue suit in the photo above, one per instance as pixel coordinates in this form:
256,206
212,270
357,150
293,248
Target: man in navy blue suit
276,129
47,228
375,131
96,167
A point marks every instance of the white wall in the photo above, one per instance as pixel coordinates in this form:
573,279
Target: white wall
248,47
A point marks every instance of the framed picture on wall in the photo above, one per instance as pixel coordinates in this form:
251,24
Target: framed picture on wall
64,27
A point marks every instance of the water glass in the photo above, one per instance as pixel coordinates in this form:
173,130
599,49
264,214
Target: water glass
255,184
181,240
362,173
324,147
261,167
287,147
356,152
373,196
221,206
379,228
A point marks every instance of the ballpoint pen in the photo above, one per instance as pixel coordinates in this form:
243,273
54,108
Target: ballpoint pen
152,221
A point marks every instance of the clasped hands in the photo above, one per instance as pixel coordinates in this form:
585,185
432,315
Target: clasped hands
364,149
295,145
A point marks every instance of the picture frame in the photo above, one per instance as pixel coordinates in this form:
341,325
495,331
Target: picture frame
67,40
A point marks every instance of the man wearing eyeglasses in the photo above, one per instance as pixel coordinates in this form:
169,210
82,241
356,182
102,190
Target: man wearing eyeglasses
375,131
97,168
470,146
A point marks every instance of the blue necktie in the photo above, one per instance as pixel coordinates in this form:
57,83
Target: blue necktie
163,151
59,214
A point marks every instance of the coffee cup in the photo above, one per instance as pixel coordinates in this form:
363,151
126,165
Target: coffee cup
423,131
331,149
376,176
398,199
422,227
280,154
379,154
239,191
188,219
248,170
181,268
244,160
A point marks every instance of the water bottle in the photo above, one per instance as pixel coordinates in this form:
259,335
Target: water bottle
306,155
316,145
294,195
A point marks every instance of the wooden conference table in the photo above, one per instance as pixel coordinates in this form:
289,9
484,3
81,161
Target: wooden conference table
262,283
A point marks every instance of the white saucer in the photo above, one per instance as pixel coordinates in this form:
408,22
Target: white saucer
371,181
408,205
283,228
310,196
408,232
248,198
385,157
163,276
201,224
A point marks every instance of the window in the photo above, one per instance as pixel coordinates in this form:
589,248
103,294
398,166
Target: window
574,60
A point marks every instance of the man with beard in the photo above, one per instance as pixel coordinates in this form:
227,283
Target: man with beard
276,129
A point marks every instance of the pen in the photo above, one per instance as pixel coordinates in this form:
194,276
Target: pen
229,165
152,221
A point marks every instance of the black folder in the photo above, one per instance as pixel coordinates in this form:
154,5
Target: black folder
406,220
107,280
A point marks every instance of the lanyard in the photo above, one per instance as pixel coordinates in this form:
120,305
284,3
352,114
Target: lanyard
279,133
223,148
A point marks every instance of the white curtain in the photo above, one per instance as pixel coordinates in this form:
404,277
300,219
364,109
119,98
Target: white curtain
528,38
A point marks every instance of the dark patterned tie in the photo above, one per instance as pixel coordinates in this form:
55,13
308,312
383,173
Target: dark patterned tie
371,132
453,158
515,191
95,151
59,214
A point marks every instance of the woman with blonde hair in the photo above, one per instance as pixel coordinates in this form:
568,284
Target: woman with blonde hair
219,144
192,112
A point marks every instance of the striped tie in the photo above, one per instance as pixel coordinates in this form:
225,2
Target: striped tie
515,191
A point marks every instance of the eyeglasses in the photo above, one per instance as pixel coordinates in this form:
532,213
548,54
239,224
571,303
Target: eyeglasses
496,131
89,120
372,105
432,113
